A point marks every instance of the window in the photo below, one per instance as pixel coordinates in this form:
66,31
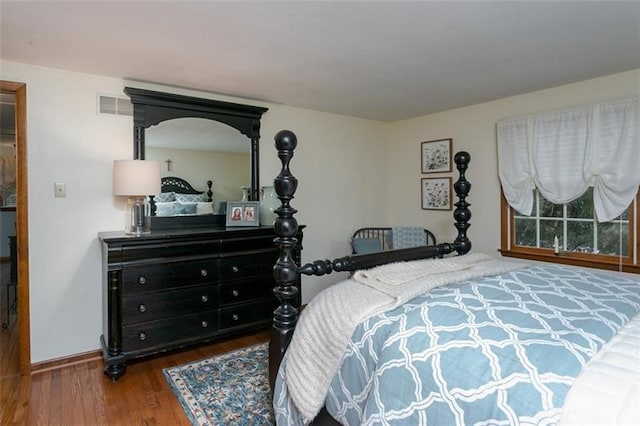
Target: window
581,239
570,182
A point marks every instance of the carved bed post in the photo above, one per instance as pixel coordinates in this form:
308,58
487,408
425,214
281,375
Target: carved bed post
462,214
285,272
209,191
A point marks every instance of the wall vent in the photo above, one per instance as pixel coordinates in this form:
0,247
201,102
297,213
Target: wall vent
114,105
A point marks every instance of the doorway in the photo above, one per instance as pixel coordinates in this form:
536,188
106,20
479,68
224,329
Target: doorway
18,93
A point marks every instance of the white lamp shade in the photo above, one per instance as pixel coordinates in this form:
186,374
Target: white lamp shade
136,177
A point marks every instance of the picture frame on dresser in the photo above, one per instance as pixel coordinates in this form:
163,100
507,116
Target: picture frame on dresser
245,213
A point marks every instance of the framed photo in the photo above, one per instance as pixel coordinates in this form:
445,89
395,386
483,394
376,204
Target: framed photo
436,193
243,213
436,156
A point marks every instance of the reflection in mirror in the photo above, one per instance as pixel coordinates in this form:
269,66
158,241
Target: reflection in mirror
200,150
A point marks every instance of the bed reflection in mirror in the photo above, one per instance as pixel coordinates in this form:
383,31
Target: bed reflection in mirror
199,150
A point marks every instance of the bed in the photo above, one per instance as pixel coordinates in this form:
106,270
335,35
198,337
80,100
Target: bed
419,336
178,197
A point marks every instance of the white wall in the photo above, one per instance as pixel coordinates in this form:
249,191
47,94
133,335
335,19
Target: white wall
67,141
473,129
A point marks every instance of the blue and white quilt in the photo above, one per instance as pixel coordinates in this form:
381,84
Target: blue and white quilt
499,350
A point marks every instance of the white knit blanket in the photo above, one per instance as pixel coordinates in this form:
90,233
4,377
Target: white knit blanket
328,321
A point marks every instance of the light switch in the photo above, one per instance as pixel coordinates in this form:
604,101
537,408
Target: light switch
60,189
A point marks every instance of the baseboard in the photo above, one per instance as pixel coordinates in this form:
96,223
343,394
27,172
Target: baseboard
54,364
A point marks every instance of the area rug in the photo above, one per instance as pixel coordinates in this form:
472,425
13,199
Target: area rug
227,389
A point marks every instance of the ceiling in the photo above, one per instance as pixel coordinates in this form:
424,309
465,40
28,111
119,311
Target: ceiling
384,60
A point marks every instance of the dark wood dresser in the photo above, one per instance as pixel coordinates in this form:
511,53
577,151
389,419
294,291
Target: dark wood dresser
170,289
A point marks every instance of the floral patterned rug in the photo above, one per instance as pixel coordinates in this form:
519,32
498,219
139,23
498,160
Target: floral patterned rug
227,389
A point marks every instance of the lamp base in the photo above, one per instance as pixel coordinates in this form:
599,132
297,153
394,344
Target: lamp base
136,216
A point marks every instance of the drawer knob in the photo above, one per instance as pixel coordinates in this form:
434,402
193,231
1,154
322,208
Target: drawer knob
234,268
235,317
142,336
142,280
204,298
142,308
204,324
204,272
235,293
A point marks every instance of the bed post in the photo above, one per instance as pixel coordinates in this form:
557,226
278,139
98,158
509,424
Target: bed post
462,214
209,191
285,272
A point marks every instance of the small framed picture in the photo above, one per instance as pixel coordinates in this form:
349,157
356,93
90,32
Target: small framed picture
436,156
436,193
244,213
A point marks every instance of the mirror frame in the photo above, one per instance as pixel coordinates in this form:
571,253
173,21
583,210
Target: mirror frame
151,108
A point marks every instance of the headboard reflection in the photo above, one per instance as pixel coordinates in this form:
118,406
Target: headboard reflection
179,198
181,186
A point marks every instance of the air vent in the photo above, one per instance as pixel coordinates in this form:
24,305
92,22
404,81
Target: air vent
113,105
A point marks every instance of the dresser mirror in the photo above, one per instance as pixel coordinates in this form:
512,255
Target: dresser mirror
203,145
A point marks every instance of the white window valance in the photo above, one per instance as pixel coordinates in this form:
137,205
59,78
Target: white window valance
562,153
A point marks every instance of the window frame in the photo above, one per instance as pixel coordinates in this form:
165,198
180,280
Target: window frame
616,263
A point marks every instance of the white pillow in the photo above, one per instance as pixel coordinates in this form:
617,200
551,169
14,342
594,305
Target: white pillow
204,208
166,209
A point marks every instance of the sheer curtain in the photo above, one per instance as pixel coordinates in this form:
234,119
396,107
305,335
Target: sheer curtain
562,153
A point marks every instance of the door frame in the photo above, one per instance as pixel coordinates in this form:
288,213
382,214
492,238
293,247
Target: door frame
22,222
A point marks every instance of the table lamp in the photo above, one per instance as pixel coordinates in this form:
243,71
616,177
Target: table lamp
136,179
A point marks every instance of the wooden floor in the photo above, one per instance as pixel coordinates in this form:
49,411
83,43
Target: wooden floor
82,395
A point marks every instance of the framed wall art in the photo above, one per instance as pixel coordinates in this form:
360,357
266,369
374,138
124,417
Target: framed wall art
436,156
436,193
243,213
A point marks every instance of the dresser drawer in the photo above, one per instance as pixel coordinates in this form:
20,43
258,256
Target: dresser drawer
142,307
166,275
247,313
165,249
247,244
173,331
243,290
248,266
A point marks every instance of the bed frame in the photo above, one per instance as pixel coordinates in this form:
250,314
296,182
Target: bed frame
181,186
384,235
286,272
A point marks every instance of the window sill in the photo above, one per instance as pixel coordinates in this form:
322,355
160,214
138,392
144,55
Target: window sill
577,259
